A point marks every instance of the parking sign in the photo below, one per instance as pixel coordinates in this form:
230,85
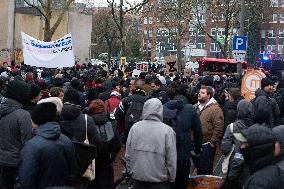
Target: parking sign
240,43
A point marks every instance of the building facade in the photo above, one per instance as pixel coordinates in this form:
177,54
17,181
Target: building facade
157,43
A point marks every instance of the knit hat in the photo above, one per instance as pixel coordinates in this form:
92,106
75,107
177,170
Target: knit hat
96,106
43,113
18,90
35,90
54,100
266,82
72,96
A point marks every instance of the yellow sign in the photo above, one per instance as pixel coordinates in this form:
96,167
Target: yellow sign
122,63
251,82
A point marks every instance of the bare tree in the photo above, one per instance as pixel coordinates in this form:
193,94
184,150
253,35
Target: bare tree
174,17
45,8
119,13
104,29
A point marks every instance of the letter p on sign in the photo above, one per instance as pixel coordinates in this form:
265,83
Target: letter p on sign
240,43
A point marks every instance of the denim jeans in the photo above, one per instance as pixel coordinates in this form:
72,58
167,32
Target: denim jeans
207,160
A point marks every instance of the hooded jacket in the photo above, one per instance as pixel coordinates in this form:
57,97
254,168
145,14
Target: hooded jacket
212,122
230,112
245,117
190,122
151,146
16,128
266,105
46,160
73,124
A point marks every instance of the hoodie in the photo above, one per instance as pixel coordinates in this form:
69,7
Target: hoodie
16,129
151,146
48,159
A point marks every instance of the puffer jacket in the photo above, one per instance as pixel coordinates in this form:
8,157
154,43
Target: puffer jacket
48,159
16,129
212,122
73,124
151,146
190,125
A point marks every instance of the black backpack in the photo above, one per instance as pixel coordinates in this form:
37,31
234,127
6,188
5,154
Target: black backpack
134,112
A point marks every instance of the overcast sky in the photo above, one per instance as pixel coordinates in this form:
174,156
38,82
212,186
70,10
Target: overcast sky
100,3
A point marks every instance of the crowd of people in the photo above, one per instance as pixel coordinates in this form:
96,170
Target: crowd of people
167,123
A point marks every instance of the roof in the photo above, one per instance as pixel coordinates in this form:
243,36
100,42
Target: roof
218,60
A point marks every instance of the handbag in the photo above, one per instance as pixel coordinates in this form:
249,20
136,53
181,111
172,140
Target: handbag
90,173
225,164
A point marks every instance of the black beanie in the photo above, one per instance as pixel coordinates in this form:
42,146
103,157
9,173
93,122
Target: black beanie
265,82
18,90
72,96
35,90
44,113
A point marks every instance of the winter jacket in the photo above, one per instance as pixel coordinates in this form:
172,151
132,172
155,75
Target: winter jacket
46,160
112,103
74,127
190,122
151,146
230,112
106,94
16,129
265,103
159,94
279,97
212,122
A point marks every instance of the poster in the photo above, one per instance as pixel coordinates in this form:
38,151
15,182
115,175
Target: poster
171,64
251,82
52,54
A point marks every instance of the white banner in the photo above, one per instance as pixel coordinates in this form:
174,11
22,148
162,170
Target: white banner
54,54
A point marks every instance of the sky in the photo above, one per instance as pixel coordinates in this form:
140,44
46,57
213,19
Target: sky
103,3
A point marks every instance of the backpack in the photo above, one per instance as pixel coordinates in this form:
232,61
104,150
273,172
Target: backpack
173,119
134,112
109,144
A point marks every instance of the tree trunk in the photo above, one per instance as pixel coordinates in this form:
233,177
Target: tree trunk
47,33
109,44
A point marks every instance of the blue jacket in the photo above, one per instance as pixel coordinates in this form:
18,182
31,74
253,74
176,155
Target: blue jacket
190,122
46,160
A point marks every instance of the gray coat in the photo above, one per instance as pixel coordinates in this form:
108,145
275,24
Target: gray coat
151,146
16,128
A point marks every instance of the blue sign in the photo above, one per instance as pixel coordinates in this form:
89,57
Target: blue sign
240,43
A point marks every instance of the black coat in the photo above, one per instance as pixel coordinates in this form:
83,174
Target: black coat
46,160
73,125
230,112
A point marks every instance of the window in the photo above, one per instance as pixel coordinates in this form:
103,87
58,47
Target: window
221,31
214,48
150,20
274,18
262,33
145,20
281,33
201,17
271,34
282,3
223,18
271,49
213,31
200,46
192,32
280,49
281,18
274,3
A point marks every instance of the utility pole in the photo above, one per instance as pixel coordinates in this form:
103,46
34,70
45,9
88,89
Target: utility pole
241,31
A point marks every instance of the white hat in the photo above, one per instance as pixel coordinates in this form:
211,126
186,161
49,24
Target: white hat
54,100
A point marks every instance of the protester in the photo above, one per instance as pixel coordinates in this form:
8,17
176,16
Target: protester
151,149
279,97
35,96
157,92
57,92
130,109
16,129
110,143
264,101
183,118
212,123
237,172
230,106
48,159
258,146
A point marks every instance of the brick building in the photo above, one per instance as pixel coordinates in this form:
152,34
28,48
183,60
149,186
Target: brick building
156,42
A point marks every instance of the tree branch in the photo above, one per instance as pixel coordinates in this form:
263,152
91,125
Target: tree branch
37,8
